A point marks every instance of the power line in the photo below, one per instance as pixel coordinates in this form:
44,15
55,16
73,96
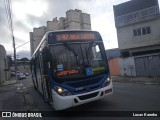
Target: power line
7,14
22,44
8,9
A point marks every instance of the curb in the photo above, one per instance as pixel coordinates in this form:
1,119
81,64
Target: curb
3,84
135,82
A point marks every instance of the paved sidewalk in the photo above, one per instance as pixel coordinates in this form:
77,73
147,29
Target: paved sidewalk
137,80
15,97
11,81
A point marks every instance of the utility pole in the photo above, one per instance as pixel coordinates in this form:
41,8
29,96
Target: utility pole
15,60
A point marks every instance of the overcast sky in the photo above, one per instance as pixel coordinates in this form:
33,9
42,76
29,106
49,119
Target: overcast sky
34,13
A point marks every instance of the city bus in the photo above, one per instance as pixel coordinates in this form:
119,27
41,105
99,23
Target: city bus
70,68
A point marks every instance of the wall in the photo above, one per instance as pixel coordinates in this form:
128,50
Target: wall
4,75
114,66
73,15
38,34
148,66
52,25
127,66
127,40
74,25
31,43
85,21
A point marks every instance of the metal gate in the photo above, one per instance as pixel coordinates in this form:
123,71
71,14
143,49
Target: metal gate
148,66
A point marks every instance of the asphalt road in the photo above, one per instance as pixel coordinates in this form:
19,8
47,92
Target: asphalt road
126,97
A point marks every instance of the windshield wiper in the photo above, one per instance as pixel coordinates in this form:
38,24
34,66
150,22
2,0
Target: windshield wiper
87,55
72,50
90,46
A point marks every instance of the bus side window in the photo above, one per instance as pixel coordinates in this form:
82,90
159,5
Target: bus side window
37,67
96,53
44,62
45,59
32,68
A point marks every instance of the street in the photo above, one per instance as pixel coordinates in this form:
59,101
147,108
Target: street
126,97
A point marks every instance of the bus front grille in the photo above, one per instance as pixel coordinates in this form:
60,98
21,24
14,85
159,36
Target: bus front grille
88,96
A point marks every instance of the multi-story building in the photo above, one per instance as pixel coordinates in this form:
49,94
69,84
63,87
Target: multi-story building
4,73
74,19
31,42
138,25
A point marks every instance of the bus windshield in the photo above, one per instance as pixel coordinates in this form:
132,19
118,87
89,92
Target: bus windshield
77,60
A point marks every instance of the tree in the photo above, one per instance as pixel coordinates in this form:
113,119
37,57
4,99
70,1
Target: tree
24,59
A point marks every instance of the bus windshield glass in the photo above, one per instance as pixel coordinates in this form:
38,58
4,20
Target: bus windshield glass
77,60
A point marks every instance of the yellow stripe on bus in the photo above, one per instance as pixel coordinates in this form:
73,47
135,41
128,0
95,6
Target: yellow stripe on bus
98,69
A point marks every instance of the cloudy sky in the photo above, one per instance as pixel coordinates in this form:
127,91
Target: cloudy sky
34,13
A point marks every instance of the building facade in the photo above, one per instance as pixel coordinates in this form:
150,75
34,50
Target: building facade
113,56
4,74
74,19
138,24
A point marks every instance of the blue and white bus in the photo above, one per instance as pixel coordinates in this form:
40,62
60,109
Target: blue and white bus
70,68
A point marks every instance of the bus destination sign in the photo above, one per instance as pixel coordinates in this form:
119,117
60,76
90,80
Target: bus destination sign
75,36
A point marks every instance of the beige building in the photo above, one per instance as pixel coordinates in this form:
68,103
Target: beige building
74,19
4,75
138,25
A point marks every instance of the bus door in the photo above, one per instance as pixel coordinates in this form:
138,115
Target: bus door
33,70
45,81
38,73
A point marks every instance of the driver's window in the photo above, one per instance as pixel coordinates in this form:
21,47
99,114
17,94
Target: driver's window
96,52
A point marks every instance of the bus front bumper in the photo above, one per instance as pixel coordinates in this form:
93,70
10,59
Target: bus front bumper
63,102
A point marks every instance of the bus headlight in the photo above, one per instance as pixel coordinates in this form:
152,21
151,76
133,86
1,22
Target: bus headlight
61,91
107,81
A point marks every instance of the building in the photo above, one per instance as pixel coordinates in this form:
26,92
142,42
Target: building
113,56
112,53
138,25
74,19
4,74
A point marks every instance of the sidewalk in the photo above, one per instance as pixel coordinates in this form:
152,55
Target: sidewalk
137,80
13,96
11,81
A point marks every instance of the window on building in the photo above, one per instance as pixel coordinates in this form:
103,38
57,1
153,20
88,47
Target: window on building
125,54
148,30
141,31
135,32
144,31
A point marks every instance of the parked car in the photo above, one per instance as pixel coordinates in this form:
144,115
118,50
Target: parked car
27,74
13,73
21,76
